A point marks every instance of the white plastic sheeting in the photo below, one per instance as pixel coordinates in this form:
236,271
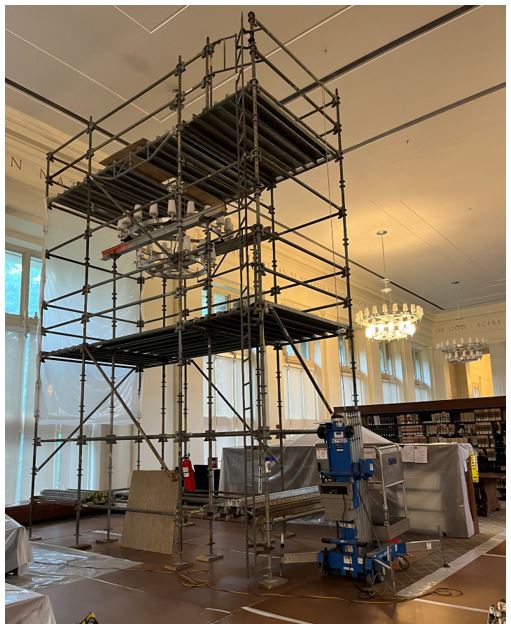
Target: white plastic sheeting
23,606
18,552
60,380
56,565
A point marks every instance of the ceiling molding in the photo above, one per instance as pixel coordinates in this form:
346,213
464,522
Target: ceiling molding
28,140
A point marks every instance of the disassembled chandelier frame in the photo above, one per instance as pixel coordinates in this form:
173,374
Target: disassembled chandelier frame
394,321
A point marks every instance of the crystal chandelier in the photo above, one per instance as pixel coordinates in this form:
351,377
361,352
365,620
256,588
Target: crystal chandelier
392,322
459,350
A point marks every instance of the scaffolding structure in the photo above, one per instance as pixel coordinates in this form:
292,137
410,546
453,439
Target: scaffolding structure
217,172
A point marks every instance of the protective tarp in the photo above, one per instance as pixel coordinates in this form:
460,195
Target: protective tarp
300,469
57,565
18,552
27,607
60,398
299,459
436,491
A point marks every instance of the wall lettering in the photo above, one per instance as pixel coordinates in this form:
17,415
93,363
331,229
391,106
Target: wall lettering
16,163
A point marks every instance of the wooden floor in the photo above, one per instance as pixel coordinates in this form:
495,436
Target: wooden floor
148,594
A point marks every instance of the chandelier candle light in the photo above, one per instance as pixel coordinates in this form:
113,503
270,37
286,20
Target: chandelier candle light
459,350
394,321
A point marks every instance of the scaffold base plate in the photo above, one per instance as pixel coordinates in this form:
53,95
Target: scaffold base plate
209,558
107,540
178,566
270,583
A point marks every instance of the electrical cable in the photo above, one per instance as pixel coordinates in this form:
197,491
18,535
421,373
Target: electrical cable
190,582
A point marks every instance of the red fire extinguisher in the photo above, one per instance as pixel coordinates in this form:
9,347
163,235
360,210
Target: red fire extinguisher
188,474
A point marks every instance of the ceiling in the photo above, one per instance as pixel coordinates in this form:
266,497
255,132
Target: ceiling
437,186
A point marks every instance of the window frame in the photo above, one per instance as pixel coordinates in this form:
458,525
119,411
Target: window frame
290,358
26,327
227,293
22,320
345,370
391,378
229,421
292,362
420,385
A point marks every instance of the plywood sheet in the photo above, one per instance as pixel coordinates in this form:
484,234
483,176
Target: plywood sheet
151,491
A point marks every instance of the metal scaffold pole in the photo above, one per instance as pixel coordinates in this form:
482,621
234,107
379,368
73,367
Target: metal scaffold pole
363,521
269,580
345,242
181,286
210,433
85,320
111,432
164,373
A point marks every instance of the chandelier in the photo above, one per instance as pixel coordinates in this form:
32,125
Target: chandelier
459,350
163,257
392,321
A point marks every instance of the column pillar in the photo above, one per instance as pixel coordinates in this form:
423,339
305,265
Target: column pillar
498,367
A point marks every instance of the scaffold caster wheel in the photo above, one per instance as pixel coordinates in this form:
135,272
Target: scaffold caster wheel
403,562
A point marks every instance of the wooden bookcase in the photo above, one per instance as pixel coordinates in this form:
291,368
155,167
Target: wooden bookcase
480,422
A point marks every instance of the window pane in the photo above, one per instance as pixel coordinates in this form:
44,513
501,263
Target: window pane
218,298
390,392
224,377
13,270
395,366
309,398
302,347
346,389
342,352
417,369
385,358
14,354
294,403
426,373
33,287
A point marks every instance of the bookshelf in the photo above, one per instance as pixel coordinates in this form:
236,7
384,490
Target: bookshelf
480,422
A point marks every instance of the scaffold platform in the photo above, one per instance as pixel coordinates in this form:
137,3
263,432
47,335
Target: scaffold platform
160,346
211,152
